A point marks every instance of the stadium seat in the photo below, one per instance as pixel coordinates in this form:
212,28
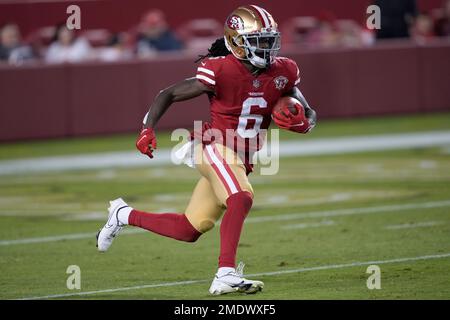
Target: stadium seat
198,34
295,29
41,36
347,24
97,37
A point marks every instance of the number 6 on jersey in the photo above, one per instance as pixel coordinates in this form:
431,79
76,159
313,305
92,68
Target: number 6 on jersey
242,129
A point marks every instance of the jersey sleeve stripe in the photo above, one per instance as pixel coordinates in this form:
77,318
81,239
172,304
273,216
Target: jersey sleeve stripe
207,71
205,78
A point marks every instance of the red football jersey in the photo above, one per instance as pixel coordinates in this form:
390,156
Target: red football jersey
243,102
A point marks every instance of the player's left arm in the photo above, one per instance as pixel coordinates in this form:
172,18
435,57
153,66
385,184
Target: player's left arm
309,112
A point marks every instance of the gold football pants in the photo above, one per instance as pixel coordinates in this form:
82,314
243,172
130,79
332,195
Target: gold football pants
223,174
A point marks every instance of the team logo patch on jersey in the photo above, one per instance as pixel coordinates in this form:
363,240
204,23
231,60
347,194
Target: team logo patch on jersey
256,83
280,82
235,23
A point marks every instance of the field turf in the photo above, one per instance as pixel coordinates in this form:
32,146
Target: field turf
314,229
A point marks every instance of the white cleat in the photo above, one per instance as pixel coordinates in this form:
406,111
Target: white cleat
234,282
112,227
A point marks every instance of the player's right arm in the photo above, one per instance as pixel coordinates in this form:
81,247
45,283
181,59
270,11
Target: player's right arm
184,90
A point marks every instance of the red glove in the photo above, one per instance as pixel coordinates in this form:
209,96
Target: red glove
284,119
146,139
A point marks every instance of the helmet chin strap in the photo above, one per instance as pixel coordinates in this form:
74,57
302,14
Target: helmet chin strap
255,60
252,57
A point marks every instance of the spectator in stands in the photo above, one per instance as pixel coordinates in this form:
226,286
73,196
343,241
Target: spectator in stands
116,49
12,50
155,35
332,32
326,33
396,18
67,47
351,34
422,31
442,24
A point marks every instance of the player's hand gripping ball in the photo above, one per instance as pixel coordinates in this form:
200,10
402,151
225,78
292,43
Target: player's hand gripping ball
288,113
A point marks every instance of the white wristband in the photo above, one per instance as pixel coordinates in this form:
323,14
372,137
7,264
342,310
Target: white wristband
145,119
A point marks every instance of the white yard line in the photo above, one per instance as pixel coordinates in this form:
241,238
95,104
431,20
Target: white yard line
281,217
73,236
352,264
300,147
273,273
350,211
308,225
413,225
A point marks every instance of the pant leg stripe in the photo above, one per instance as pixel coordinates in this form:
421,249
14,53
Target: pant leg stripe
221,171
227,167
218,172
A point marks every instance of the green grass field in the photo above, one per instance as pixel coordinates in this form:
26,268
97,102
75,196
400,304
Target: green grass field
327,218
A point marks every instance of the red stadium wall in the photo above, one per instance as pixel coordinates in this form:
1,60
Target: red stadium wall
121,15
72,100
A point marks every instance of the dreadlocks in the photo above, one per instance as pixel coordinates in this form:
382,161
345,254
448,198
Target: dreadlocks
217,49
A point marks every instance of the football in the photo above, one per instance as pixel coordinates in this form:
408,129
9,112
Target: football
292,104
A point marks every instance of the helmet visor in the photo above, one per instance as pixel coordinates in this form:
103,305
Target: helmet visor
264,42
264,46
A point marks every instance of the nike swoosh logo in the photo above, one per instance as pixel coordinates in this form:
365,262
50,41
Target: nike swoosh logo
239,285
203,64
298,125
116,216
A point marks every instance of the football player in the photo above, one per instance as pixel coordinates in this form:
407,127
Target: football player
243,78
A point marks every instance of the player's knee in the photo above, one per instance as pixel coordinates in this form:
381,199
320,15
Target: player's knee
188,232
202,224
247,198
249,191
243,198
192,237
247,187
206,225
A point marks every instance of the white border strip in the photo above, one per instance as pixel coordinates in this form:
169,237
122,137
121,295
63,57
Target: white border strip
274,273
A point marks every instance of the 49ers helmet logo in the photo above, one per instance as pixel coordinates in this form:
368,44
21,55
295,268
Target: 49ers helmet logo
235,22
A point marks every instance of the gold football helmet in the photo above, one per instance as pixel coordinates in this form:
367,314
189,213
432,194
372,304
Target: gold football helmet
252,34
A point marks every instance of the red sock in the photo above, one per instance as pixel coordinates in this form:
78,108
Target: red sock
172,225
238,206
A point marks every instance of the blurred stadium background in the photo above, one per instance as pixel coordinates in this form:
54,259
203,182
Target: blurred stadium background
64,95
122,62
